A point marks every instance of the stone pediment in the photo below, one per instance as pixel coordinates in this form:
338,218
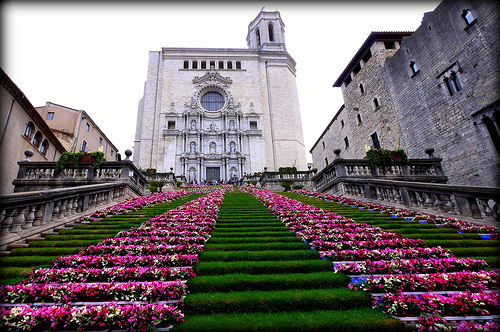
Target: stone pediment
211,77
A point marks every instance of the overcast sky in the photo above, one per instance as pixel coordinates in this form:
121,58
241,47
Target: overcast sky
94,55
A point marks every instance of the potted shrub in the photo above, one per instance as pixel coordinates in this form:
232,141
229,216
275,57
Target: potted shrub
68,159
287,184
384,157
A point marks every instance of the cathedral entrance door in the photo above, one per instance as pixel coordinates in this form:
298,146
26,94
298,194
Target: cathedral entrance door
213,173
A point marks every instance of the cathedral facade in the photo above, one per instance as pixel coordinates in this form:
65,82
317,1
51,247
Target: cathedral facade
215,114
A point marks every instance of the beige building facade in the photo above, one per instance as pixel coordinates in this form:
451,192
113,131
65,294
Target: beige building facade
76,130
215,114
21,129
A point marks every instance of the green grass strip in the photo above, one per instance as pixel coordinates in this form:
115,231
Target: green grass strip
26,261
284,233
274,228
218,268
87,232
444,236
275,301
258,246
45,251
357,320
244,255
58,237
69,243
267,282
476,251
462,243
264,239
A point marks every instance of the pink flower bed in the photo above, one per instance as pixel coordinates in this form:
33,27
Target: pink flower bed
388,253
151,249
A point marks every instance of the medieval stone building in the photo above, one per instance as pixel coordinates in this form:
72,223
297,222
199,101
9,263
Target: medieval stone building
435,87
218,113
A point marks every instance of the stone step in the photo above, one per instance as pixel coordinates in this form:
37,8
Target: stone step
49,232
17,245
4,253
33,238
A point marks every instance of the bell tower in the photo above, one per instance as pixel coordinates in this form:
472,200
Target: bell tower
267,32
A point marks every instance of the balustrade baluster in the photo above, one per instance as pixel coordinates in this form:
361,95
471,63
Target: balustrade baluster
19,219
29,217
6,224
55,211
449,206
397,196
68,207
39,215
438,204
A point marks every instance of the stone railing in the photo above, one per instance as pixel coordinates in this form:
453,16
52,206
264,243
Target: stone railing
273,180
29,213
420,185
43,175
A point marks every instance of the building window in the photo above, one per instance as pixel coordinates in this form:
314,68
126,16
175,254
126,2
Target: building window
50,116
452,83
87,127
29,130
195,64
348,80
376,104
493,127
84,146
326,161
212,64
100,140
257,34
323,145
358,119
171,125
467,16
367,56
45,147
37,140
221,64
376,142
413,66
229,65
203,65
357,68
111,154
390,45
212,101
271,31
238,65
361,88
346,142
253,124
342,124
186,64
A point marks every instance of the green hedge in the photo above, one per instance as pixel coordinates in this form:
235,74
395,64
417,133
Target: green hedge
284,233
422,231
26,261
69,243
445,236
359,320
476,251
463,243
265,239
265,282
275,255
99,226
275,301
58,237
87,232
258,246
45,251
218,268
275,228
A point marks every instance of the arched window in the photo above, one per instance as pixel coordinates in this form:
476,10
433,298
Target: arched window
37,140
212,101
271,31
29,130
257,33
45,147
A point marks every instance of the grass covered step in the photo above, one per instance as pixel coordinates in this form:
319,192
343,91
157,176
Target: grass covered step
462,243
476,251
100,226
246,255
68,243
275,301
445,236
228,225
45,251
88,232
356,320
26,261
284,233
258,246
257,267
239,282
266,239
59,237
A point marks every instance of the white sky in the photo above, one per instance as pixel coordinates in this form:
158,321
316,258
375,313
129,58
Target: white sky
94,55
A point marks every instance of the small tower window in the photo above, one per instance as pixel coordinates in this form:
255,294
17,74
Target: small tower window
203,65
346,142
221,64
358,118
467,16
493,127
376,104
186,64
171,125
100,140
257,34
376,142
84,146
323,145
453,83
390,45
347,80
357,68
271,31
367,56
326,161
212,64
342,124
50,116
195,64
87,127
361,88
413,66
238,65
229,65
253,125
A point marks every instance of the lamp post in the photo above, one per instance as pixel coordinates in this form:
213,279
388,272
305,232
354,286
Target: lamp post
75,143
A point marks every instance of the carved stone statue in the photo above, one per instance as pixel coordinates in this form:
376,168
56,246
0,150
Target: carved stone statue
193,125
212,147
192,174
192,147
232,147
231,125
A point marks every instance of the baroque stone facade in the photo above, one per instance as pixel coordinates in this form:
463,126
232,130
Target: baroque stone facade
214,114
435,87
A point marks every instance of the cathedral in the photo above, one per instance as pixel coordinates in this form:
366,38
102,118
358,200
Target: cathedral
215,114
